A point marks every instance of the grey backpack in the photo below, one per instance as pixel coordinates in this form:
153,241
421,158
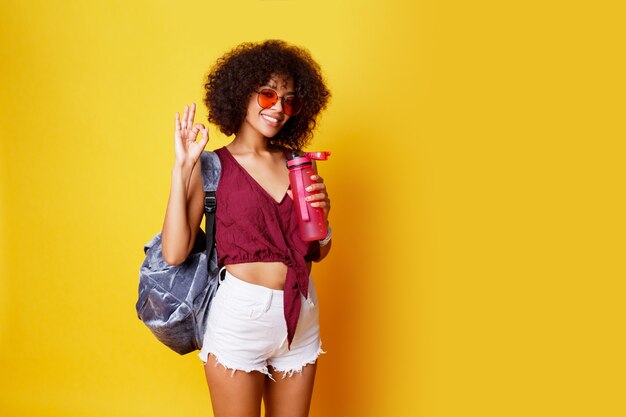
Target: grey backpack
174,300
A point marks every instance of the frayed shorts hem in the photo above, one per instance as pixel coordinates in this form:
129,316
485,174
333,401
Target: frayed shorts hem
290,372
263,369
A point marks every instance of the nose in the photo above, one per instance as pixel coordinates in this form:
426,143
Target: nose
278,106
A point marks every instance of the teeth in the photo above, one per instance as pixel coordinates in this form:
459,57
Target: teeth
271,119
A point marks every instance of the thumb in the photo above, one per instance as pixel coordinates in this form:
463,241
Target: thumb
205,137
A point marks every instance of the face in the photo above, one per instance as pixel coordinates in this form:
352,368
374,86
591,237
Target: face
269,121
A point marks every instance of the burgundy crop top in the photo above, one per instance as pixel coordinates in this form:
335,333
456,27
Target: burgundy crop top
251,226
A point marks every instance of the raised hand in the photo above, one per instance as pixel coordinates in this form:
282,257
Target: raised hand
185,146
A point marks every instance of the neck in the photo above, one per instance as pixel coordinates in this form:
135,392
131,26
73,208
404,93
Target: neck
249,139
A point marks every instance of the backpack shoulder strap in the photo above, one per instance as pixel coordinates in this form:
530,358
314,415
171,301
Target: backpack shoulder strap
211,170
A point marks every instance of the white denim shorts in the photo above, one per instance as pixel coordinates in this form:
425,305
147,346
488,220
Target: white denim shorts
246,329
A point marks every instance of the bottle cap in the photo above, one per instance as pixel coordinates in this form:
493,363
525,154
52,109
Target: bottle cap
318,155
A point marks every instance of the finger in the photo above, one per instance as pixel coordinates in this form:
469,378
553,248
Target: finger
199,127
205,137
184,121
320,196
317,178
178,141
324,206
177,122
194,132
192,113
316,186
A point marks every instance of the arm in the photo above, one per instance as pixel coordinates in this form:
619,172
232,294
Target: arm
184,213
324,250
186,202
320,199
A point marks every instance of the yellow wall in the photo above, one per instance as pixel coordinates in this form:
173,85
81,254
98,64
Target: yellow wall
477,202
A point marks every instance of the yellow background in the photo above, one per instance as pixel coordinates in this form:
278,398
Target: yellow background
477,187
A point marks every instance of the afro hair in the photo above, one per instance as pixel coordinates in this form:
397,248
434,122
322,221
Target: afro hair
249,65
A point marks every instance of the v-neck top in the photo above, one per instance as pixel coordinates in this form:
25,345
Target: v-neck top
251,226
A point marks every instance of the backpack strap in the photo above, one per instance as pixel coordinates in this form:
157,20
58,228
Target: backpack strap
211,170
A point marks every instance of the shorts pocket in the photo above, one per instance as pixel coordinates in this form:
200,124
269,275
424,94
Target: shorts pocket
244,308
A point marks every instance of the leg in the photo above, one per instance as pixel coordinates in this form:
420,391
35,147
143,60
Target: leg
289,396
237,395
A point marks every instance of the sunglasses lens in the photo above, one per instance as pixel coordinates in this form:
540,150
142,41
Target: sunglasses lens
291,105
267,98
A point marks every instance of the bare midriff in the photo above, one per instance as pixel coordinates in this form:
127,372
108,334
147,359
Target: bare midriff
268,274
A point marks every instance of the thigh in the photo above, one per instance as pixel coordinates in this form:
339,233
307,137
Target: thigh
234,394
290,396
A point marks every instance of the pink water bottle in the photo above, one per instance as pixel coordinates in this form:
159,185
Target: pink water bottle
310,219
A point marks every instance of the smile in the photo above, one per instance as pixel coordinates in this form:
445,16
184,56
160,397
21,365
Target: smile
270,119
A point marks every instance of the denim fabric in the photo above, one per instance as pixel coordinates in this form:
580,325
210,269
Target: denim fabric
246,330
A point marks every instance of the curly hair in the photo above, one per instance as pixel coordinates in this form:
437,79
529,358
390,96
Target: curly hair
250,65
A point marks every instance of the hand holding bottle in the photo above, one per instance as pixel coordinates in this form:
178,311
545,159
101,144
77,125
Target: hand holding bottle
320,198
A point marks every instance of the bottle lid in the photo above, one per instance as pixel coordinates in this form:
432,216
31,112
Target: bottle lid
318,155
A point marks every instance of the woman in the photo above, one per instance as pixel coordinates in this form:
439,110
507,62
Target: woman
263,327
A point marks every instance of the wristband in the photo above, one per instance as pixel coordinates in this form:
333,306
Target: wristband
324,242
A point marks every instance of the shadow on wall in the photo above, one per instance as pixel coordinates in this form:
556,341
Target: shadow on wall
348,285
